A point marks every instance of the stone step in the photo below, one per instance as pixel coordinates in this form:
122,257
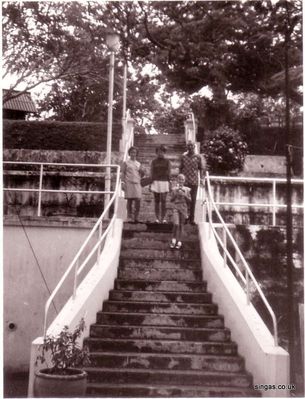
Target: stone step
161,346
151,264
232,364
152,319
160,138
168,390
166,254
181,377
160,332
160,307
154,229
121,295
161,286
157,243
151,272
160,237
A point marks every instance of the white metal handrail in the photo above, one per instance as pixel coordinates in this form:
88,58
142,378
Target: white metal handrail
266,180
41,190
75,262
97,227
249,275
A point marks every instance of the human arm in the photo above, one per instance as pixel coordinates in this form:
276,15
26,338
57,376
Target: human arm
169,169
141,171
123,175
181,167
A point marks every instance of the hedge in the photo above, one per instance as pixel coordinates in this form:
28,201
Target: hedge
61,136
271,140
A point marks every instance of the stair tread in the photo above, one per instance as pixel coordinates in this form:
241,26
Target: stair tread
182,355
158,303
172,386
212,329
195,316
161,281
167,371
167,292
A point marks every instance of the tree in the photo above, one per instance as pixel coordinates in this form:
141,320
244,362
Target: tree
228,45
47,41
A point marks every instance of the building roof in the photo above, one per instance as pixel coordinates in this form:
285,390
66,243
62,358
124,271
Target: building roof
23,102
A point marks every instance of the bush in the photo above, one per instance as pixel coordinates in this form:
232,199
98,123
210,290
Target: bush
225,151
60,136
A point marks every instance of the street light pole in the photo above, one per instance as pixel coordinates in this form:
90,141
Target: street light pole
289,257
112,40
124,95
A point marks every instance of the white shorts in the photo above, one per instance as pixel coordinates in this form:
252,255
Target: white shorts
159,186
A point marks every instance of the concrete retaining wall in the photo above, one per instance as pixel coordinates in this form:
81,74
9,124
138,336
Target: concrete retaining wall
90,295
34,255
268,364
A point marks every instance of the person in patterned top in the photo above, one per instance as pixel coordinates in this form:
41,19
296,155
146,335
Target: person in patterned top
190,164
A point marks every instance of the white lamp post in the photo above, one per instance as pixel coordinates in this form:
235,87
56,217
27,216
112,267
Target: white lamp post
113,43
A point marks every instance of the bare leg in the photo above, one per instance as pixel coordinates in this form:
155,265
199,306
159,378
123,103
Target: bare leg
157,205
163,205
137,208
175,231
129,208
180,227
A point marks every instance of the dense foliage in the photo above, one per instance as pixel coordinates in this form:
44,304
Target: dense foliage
65,352
225,151
171,47
61,136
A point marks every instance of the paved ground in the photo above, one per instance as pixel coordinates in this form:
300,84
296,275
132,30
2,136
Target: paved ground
15,385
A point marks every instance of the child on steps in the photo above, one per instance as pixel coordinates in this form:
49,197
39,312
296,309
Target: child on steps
181,198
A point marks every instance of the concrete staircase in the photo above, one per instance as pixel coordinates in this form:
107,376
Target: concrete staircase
147,145
160,334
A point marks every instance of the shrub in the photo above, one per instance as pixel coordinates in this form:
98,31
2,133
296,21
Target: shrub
64,350
225,151
60,136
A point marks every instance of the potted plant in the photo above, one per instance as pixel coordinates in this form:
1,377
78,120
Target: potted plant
65,377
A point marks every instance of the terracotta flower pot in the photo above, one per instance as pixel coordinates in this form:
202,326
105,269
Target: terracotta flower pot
70,385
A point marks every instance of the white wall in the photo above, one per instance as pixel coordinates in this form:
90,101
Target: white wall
24,291
90,295
268,364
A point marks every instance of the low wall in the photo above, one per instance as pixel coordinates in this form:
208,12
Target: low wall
90,295
35,254
55,204
244,191
262,165
268,364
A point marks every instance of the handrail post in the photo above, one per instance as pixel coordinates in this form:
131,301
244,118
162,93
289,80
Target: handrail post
274,202
99,237
75,278
40,188
224,237
247,287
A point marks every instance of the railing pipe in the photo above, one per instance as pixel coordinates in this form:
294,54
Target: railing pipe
72,264
248,270
75,278
274,202
248,287
225,245
40,188
93,250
